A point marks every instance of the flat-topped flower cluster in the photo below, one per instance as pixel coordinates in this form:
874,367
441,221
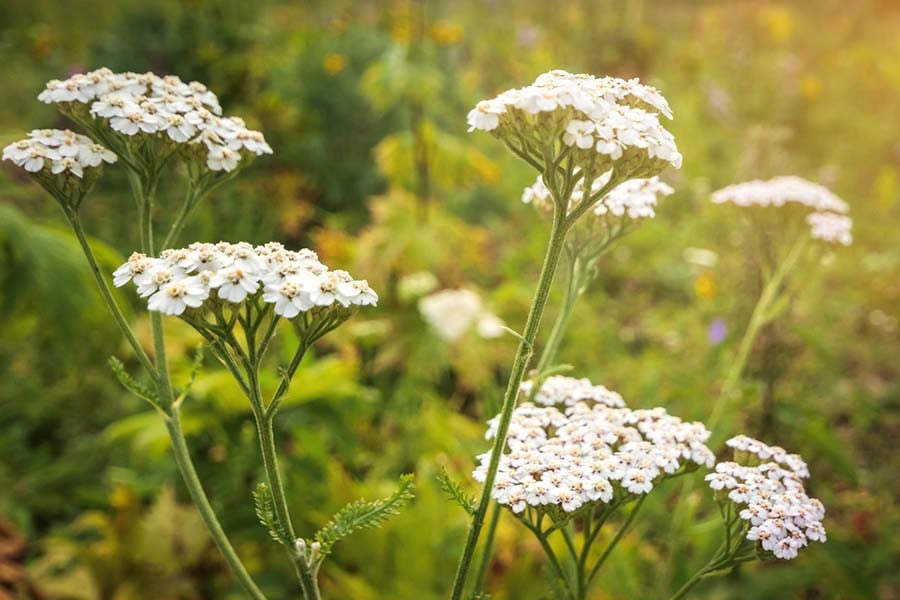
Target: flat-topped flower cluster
635,198
604,121
771,497
828,221
188,278
581,445
145,104
57,152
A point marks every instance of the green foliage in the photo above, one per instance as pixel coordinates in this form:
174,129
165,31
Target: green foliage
454,491
337,91
265,512
363,514
140,390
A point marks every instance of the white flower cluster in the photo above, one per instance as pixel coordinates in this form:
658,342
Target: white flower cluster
779,191
831,227
583,445
602,119
452,312
559,390
146,104
294,281
635,198
782,517
57,151
828,222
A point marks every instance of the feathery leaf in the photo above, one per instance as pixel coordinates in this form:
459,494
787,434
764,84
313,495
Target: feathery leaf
454,491
265,512
362,514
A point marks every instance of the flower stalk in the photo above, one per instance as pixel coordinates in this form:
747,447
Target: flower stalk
520,363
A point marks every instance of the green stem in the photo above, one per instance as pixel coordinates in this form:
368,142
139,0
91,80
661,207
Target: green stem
269,451
615,540
191,199
485,561
551,556
714,564
195,489
520,363
106,293
574,287
760,317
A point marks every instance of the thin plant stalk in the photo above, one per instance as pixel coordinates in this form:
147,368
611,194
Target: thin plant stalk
763,314
563,220
520,363
158,374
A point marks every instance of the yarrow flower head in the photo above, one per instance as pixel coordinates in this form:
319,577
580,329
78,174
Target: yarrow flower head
60,160
577,444
210,276
451,313
768,495
144,106
604,122
828,221
831,227
634,199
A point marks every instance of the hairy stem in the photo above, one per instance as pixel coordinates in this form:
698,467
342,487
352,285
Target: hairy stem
108,298
195,489
520,363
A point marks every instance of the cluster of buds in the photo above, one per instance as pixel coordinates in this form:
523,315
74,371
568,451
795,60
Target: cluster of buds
633,199
605,123
577,444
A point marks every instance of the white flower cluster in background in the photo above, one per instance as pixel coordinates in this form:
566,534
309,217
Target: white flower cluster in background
582,445
294,281
603,120
828,221
145,104
774,503
58,152
831,227
451,313
635,198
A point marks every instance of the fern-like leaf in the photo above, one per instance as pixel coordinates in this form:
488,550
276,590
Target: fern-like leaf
196,365
265,512
363,514
455,492
133,385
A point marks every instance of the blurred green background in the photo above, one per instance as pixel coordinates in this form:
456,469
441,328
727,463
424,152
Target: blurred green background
365,104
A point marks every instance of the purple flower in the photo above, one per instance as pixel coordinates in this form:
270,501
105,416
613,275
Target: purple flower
716,332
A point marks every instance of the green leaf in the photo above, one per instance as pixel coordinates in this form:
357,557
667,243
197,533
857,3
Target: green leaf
196,365
265,512
363,514
455,492
133,385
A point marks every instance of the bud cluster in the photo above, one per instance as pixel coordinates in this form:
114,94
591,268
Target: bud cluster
634,198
